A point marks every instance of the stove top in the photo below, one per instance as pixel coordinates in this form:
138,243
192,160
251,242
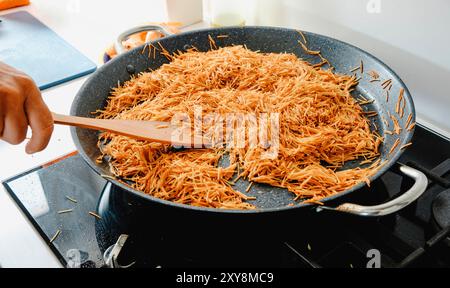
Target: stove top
87,222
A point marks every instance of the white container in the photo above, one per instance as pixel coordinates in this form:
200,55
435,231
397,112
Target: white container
187,12
222,13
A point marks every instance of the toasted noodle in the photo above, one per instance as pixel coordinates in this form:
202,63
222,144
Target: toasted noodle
374,75
387,85
303,37
406,146
321,128
397,128
396,143
410,117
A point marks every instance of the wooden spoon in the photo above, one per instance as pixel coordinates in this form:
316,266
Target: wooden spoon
152,131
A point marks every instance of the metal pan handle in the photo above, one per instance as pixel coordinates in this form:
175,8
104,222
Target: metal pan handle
419,187
146,28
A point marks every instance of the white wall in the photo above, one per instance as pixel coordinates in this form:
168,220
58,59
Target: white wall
411,36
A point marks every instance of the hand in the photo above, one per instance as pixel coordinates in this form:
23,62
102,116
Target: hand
21,105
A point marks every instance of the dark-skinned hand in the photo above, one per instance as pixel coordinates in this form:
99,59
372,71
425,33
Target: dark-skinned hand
21,106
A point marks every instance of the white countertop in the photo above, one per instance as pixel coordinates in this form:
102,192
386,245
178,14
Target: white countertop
90,26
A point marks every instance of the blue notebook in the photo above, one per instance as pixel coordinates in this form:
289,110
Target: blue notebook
30,46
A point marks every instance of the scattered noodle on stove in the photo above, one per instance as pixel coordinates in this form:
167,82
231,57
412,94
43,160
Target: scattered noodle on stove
321,128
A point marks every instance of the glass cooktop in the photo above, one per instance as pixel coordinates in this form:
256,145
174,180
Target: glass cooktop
81,216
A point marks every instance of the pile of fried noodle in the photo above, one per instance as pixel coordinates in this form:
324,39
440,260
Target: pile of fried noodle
321,128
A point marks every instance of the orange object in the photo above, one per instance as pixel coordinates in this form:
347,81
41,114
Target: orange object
7,4
139,39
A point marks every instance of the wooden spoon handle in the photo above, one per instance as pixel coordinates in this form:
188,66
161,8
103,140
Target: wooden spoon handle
152,131
82,122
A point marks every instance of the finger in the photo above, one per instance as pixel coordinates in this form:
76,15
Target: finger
1,126
4,93
1,118
40,120
15,127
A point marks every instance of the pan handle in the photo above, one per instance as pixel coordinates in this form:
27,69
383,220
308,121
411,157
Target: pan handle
419,187
145,28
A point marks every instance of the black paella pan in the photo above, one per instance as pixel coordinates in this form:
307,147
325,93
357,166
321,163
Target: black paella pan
342,56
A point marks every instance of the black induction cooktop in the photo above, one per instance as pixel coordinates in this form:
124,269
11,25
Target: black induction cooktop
88,222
